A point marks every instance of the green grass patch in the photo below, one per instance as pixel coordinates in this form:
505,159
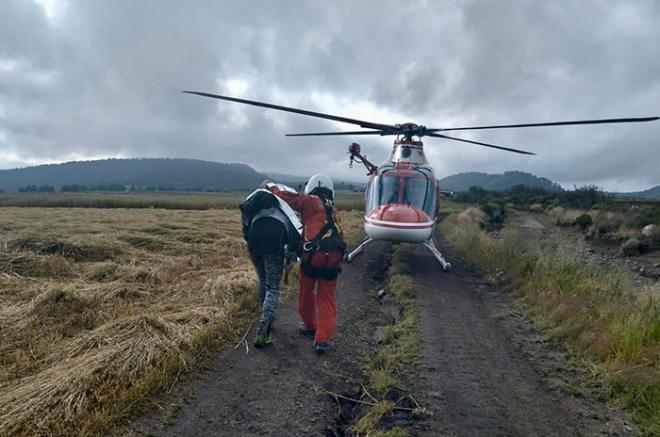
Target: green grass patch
597,308
391,372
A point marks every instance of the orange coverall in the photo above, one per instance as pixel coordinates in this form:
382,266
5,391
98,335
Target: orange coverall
316,299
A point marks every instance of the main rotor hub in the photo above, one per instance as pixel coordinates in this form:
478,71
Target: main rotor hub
410,130
408,151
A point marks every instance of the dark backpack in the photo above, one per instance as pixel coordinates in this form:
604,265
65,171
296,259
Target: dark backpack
259,201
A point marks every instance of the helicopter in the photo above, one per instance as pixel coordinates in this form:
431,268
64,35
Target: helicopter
402,197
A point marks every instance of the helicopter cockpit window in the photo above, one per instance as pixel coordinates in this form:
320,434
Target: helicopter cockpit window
383,190
417,191
420,193
372,199
389,189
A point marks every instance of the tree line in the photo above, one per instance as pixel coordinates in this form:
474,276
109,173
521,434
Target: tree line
522,195
70,188
111,188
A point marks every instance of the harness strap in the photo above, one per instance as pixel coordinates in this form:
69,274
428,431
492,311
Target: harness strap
312,247
314,244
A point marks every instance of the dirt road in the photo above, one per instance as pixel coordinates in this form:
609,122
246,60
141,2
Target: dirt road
489,372
485,371
281,390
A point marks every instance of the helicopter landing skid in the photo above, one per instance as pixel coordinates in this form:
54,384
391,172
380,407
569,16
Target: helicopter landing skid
355,252
436,253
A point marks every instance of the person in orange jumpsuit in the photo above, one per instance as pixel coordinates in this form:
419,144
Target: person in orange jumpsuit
323,250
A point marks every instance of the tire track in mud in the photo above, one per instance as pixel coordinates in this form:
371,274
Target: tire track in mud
282,389
488,372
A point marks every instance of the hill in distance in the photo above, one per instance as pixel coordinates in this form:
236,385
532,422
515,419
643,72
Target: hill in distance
178,174
199,175
298,182
285,178
651,193
496,182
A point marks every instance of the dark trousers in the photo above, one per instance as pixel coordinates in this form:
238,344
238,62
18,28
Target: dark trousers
269,270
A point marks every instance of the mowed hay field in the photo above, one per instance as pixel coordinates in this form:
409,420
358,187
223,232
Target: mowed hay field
101,309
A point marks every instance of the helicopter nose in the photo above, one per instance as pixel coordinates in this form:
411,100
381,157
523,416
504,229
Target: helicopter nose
398,223
404,214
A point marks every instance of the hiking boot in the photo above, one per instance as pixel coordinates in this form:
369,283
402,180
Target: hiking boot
263,327
305,331
263,340
263,337
320,347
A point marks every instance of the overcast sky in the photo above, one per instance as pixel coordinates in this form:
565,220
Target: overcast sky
88,79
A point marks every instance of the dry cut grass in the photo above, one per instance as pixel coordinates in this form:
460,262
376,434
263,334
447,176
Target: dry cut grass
99,309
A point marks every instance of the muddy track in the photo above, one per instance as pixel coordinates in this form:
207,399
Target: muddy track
489,372
485,371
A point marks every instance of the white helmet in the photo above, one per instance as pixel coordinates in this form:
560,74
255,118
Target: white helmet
320,180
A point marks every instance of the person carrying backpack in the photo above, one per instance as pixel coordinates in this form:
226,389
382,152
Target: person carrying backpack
322,252
272,232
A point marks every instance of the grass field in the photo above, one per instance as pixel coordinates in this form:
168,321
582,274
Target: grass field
198,201
100,309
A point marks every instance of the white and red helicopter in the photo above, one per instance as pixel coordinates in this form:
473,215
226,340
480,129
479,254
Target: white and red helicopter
402,199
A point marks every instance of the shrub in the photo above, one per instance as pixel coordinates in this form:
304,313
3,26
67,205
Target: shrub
565,217
471,217
606,224
75,188
497,214
28,189
647,215
524,196
584,221
585,197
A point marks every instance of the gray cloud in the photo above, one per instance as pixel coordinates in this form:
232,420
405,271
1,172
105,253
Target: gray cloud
102,78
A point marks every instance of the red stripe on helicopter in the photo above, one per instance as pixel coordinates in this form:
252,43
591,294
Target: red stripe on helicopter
395,225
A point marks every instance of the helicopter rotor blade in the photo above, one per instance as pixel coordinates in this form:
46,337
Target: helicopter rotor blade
552,123
508,149
359,132
361,123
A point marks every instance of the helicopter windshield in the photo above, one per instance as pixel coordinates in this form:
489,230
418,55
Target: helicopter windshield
391,188
419,192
